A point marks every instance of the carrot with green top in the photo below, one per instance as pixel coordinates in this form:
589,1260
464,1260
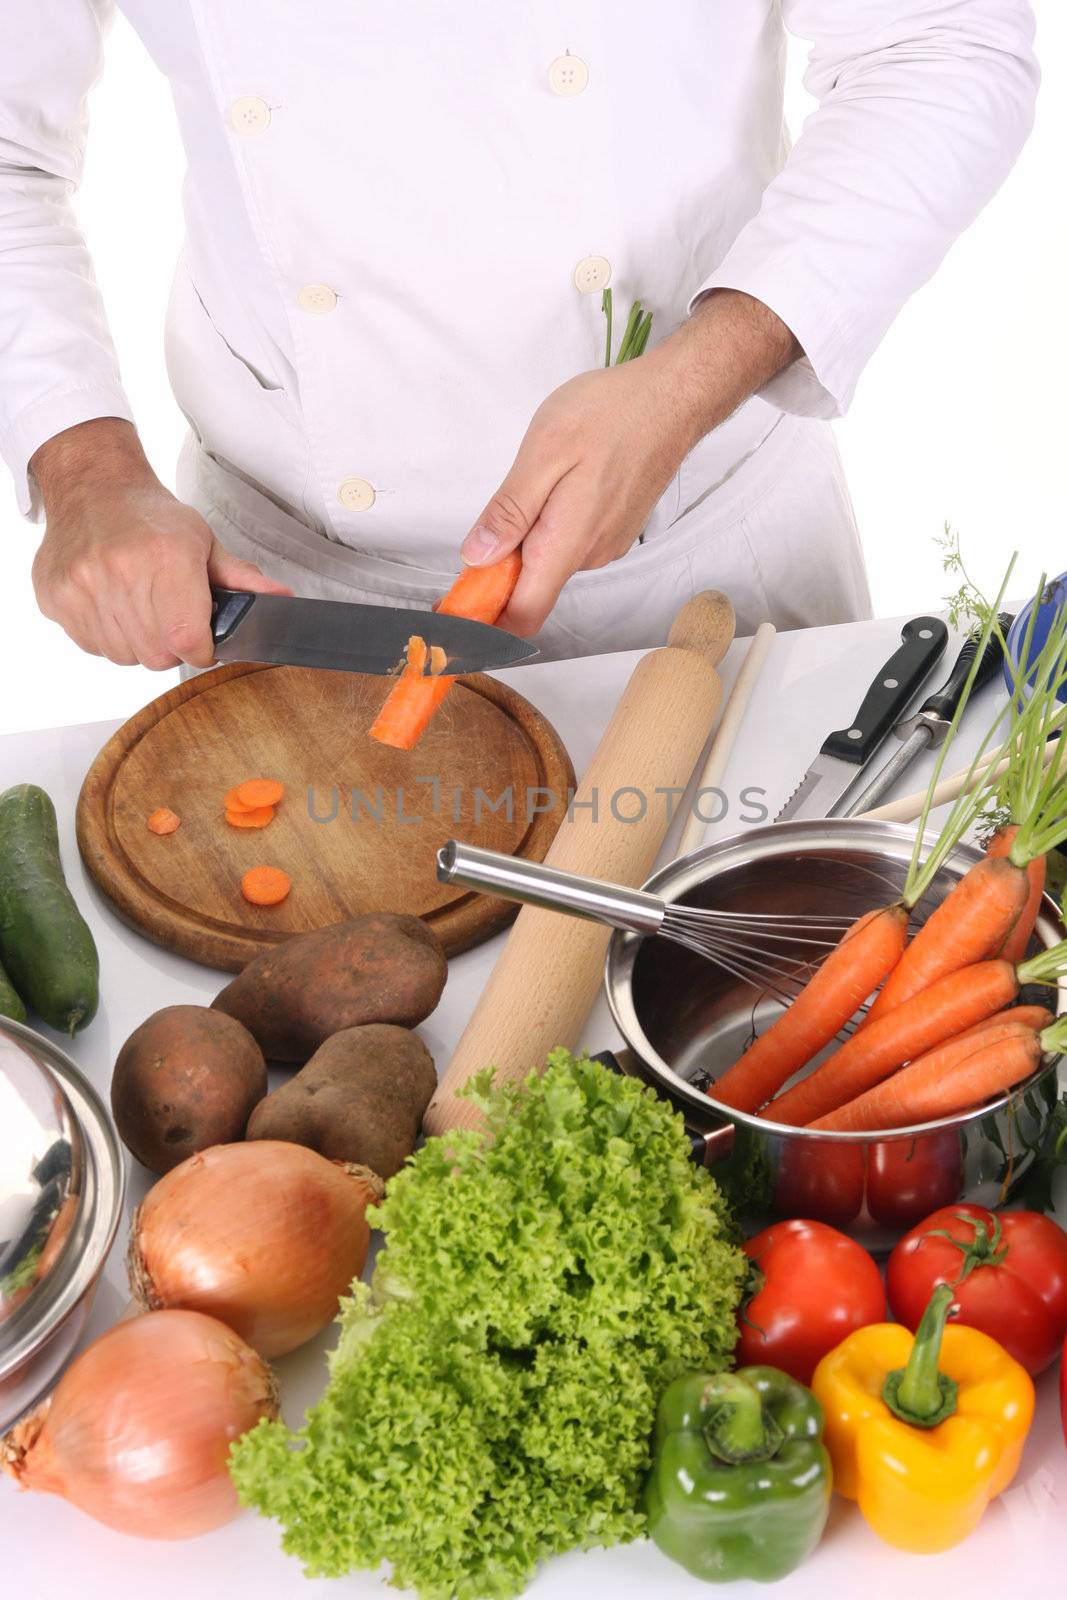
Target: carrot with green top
840,985
945,1009
934,1087
480,594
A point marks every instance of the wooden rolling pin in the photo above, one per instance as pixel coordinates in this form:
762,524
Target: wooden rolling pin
543,986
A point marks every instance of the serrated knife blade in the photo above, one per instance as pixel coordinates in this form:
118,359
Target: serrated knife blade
843,754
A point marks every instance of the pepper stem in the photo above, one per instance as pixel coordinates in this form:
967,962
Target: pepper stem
919,1393
737,1425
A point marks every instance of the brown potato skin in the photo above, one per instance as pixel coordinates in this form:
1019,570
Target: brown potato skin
376,968
360,1098
186,1079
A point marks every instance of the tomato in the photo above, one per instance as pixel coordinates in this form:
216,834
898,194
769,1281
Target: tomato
820,1179
815,1286
909,1178
1009,1270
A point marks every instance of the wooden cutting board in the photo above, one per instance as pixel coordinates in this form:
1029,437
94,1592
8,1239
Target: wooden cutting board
360,824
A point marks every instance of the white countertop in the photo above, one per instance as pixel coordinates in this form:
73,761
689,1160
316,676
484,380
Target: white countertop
812,683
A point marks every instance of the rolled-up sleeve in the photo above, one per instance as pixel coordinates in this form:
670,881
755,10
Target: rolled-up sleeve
57,361
923,108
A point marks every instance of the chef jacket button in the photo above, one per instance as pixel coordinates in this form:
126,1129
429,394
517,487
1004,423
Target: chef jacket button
250,114
355,494
592,273
568,75
316,298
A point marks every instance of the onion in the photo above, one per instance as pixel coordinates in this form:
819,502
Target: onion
139,1430
266,1236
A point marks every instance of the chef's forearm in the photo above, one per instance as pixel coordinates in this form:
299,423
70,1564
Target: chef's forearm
90,460
725,352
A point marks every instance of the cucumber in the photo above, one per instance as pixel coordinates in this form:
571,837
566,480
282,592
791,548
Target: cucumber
45,942
10,1004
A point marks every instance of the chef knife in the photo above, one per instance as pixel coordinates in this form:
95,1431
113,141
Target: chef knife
844,754
928,729
346,637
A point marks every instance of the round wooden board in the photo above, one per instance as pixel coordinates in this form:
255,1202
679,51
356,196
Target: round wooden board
360,824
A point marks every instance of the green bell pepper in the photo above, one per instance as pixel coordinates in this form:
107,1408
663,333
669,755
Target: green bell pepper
740,1480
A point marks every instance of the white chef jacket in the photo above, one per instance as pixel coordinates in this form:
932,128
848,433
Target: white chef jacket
401,216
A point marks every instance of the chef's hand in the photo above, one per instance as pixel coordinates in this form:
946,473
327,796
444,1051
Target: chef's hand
124,567
602,448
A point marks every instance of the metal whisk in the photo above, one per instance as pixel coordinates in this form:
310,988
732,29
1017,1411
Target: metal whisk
741,943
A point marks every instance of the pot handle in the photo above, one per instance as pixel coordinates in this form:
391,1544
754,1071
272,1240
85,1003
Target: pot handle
705,1147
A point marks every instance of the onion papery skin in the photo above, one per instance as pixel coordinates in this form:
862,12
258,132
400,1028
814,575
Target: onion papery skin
138,1432
266,1236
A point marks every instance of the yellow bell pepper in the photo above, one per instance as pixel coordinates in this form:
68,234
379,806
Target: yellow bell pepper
923,1431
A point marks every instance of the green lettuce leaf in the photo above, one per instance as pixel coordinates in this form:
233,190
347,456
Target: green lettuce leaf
492,1397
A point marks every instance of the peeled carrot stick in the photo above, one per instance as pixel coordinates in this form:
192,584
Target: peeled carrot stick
946,1008
852,970
480,593
1018,939
969,925
934,1087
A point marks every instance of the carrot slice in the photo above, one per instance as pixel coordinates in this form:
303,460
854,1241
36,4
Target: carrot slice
164,821
480,593
251,819
258,792
233,802
265,886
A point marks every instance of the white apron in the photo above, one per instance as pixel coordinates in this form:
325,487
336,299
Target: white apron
778,536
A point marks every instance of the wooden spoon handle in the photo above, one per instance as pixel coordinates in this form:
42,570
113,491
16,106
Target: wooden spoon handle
546,979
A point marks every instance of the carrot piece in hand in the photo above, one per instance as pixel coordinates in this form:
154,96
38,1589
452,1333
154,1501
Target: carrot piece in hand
852,970
257,792
948,1007
480,593
265,886
164,821
971,924
1018,939
251,819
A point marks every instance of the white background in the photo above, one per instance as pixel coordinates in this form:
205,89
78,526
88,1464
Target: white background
960,416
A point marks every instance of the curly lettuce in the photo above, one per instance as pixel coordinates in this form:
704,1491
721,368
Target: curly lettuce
491,1399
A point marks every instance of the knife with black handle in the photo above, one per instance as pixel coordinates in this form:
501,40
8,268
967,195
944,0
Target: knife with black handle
844,754
928,728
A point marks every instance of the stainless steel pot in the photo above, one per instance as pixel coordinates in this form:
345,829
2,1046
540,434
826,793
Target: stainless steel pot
685,1020
61,1187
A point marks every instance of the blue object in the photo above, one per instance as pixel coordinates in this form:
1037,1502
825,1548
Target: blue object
1054,599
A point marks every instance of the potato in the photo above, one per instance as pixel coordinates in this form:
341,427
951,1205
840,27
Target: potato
186,1079
360,1098
376,968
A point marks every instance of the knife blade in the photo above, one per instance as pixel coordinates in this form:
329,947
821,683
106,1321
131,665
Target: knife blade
346,637
844,754
928,729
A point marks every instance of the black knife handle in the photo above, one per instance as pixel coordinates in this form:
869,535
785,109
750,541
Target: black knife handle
943,704
228,606
923,641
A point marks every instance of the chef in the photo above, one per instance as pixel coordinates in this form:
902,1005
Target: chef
387,327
